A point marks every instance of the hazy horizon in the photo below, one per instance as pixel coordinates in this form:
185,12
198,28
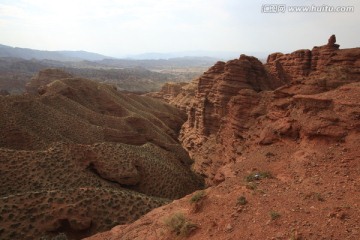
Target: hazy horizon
122,28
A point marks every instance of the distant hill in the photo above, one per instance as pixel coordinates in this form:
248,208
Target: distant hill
26,53
218,55
129,75
179,62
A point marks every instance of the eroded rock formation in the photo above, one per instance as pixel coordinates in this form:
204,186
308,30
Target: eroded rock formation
320,69
233,98
177,94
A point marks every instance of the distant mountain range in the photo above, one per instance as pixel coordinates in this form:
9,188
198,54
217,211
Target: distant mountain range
26,53
74,56
83,59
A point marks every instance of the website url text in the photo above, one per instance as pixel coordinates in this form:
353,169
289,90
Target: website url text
282,8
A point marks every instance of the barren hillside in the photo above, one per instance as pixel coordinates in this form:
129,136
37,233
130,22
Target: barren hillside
81,157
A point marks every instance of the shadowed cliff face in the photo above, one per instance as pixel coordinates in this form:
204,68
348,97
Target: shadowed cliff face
227,98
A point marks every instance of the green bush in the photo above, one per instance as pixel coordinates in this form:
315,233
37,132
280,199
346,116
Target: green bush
178,224
197,196
274,215
242,200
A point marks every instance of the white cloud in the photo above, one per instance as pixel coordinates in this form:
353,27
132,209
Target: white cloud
125,26
11,11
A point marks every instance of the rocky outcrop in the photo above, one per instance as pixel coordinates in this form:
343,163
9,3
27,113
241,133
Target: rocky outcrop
218,85
330,116
187,93
168,91
320,69
302,63
234,99
177,94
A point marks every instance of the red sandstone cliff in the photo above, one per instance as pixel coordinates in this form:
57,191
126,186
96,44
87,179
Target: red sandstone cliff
233,98
320,69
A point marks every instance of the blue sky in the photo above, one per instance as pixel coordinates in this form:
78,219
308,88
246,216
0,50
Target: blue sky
120,27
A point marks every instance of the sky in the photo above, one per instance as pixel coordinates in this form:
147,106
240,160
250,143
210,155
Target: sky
121,27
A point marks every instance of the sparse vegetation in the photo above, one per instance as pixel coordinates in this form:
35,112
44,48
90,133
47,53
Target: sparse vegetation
44,175
251,186
274,215
258,176
269,154
196,197
319,197
178,224
315,196
100,214
60,236
242,200
295,235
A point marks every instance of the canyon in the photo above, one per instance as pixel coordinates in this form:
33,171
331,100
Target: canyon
248,150
277,144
